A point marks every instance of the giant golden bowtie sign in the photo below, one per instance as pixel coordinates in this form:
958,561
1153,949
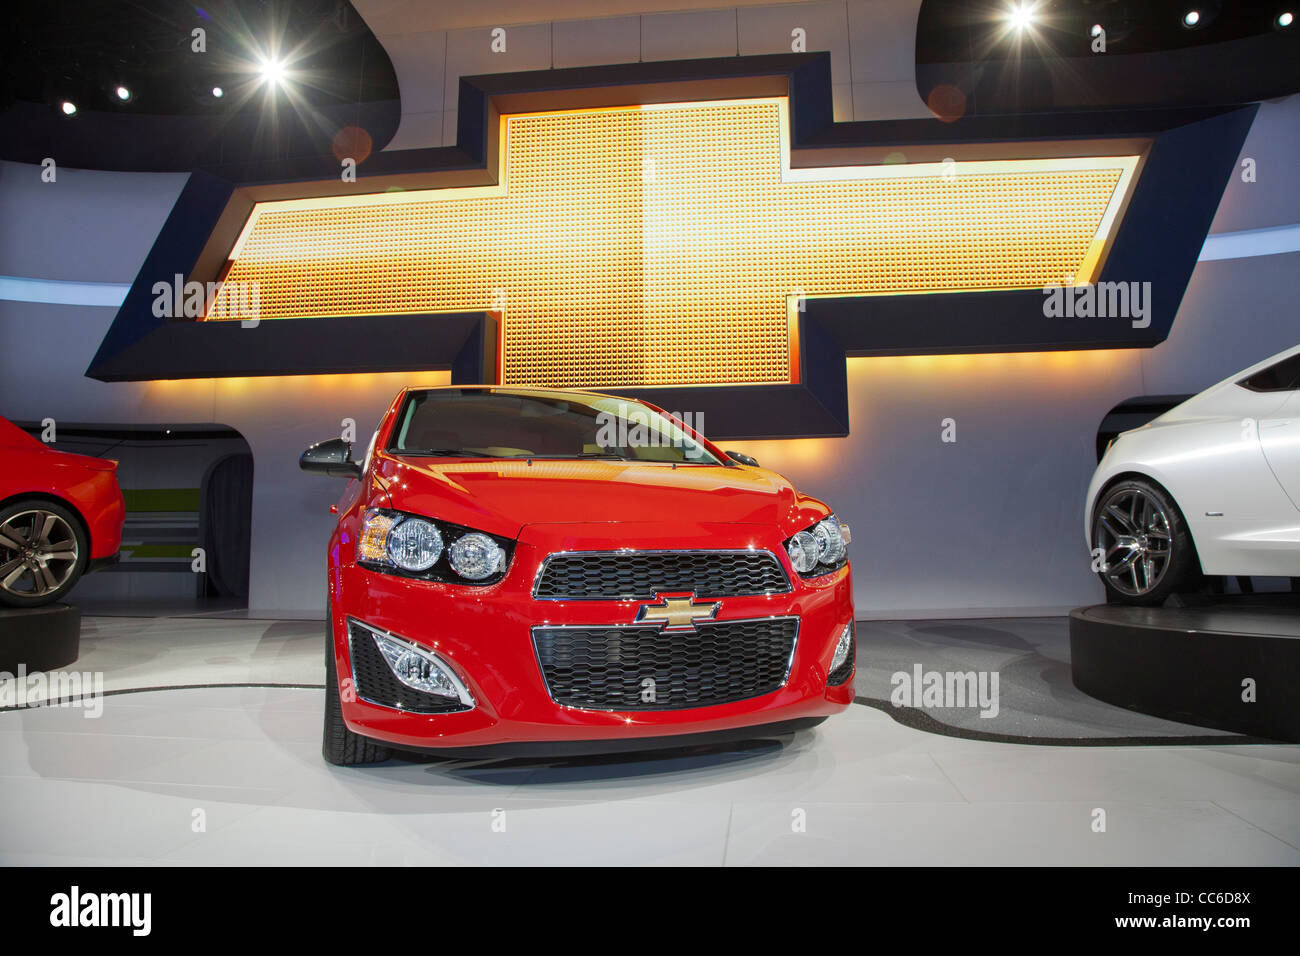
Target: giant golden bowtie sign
669,244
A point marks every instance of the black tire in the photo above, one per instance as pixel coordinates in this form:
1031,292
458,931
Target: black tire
339,745
27,590
1146,515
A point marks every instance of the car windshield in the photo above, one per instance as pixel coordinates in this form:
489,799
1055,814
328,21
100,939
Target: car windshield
489,423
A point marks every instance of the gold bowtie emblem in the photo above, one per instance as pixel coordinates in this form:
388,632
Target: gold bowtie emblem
678,611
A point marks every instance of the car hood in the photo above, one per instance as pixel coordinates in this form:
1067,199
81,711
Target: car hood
503,496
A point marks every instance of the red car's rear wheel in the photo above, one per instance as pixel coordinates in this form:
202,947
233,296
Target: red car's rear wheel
43,552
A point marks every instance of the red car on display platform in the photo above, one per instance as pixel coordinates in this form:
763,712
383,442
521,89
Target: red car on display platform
530,571
60,517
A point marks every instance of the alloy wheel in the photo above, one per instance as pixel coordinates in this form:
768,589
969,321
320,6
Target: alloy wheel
1133,531
38,553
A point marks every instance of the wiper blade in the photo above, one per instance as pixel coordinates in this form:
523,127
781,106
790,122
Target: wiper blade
613,456
443,453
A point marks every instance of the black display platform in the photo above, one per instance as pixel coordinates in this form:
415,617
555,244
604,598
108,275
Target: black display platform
39,638
1190,663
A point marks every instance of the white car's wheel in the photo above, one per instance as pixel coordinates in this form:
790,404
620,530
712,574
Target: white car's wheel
1147,550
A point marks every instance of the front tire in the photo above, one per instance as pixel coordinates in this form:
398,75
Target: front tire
340,746
1147,550
44,549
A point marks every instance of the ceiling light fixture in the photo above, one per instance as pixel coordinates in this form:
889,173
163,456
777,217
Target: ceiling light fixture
1021,17
1191,18
273,72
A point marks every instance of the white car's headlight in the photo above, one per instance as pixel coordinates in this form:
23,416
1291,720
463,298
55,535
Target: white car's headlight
416,546
818,550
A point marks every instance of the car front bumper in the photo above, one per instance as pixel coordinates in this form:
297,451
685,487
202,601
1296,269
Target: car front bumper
486,635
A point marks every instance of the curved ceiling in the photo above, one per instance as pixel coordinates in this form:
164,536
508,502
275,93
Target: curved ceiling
143,82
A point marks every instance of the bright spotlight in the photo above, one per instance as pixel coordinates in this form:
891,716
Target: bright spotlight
1096,30
122,93
273,72
1285,19
1021,17
218,92
69,108
1191,18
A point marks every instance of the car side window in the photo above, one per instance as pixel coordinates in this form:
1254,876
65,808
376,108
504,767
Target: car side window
1284,376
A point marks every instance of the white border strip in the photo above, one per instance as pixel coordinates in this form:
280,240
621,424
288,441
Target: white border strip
62,292
1249,243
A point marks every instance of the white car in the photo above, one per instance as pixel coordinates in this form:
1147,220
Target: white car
1210,487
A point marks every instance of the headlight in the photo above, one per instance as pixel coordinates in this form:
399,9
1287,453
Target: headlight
427,548
476,556
819,550
802,549
830,541
414,545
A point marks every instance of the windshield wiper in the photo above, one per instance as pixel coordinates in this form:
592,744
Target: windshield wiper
611,455
443,453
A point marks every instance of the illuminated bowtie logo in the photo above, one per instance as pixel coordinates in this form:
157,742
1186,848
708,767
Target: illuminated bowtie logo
673,244
678,612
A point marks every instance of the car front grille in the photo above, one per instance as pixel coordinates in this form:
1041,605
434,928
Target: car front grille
640,575
638,667
377,684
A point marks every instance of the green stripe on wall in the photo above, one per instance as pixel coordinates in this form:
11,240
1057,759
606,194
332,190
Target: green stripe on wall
161,499
137,551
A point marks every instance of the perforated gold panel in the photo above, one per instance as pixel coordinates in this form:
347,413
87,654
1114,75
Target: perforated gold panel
661,245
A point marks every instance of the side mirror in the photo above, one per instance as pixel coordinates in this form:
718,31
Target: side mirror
743,459
332,457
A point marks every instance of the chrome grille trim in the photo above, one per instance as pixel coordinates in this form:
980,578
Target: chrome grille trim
651,592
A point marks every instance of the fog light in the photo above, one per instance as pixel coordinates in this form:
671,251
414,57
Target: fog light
421,669
843,648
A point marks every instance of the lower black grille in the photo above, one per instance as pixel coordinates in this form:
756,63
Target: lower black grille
640,575
376,682
649,668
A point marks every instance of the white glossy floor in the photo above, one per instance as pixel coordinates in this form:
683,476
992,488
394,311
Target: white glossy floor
126,788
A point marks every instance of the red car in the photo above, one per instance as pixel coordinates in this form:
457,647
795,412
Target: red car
60,517
530,571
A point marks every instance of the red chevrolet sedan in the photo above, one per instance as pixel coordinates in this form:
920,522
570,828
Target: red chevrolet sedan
530,571
60,517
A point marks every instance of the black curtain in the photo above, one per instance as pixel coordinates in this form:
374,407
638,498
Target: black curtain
227,520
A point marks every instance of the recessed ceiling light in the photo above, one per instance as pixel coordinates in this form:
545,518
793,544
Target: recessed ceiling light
69,108
272,71
122,93
1021,17
1096,30
218,92
1285,19
1191,18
